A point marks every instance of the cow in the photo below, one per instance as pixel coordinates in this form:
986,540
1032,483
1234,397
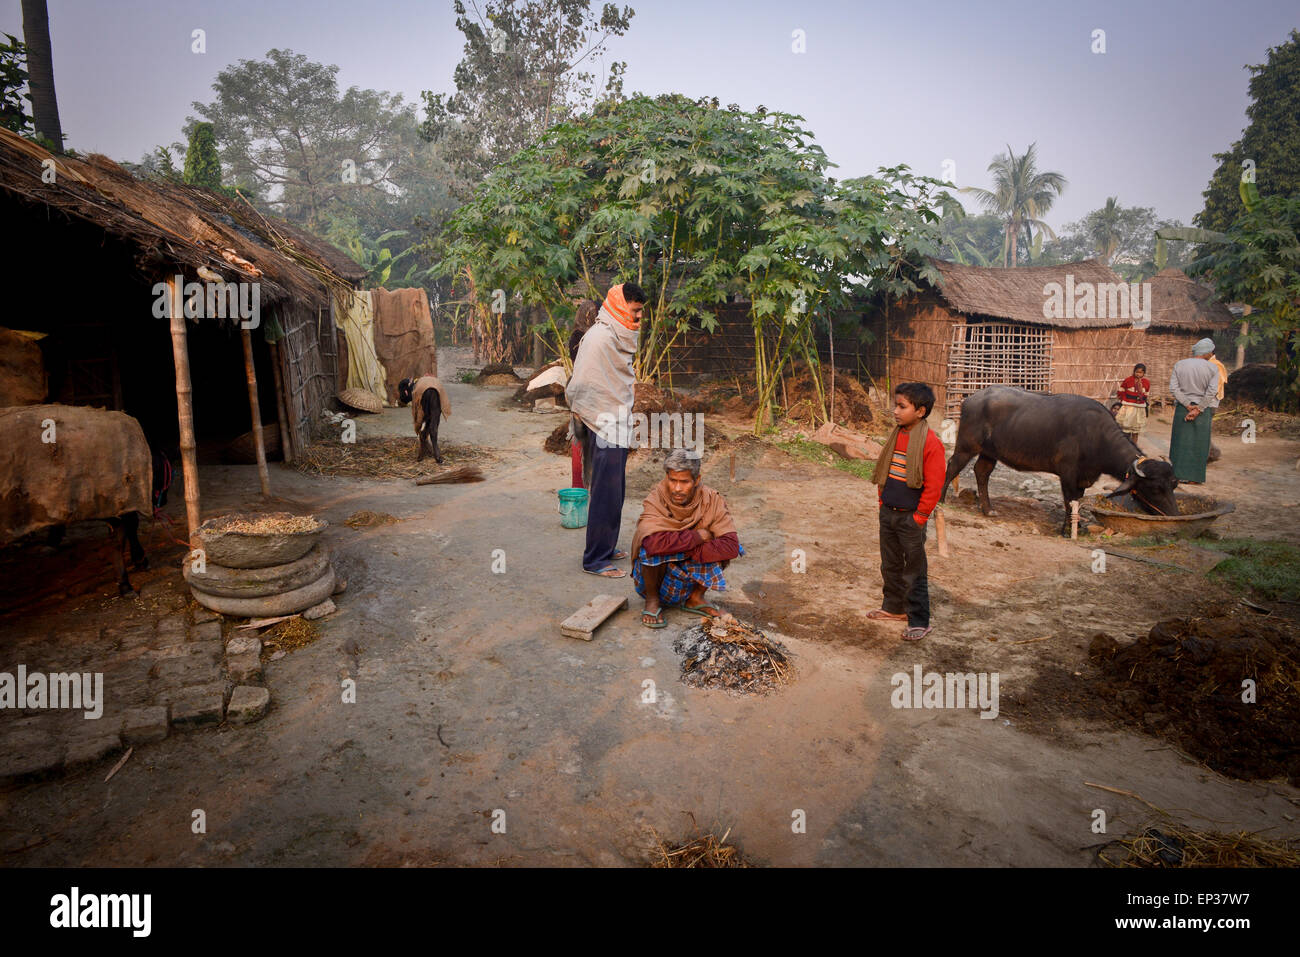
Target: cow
429,403
64,464
1073,437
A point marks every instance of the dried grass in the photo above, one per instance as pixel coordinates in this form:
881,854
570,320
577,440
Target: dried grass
291,634
383,457
1171,845
729,654
706,850
367,519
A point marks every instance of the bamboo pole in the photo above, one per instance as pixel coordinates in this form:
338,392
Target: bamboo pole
255,410
184,407
286,434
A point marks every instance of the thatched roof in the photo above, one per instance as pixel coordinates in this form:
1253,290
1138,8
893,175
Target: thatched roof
174,228
1178,302
1018,293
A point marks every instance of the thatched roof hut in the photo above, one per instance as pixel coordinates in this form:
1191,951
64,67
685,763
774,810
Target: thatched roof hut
95,242
990,326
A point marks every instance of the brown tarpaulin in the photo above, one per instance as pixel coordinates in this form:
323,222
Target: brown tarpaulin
404,336
84,464
22,370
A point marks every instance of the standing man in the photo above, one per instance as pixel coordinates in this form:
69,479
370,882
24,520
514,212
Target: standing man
1195,385
600,394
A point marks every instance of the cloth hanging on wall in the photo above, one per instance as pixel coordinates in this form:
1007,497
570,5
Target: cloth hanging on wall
403,336
354,314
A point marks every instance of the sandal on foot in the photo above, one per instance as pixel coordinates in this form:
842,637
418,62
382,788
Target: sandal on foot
609,571
881,615
916,634
704,611
618,556
653,619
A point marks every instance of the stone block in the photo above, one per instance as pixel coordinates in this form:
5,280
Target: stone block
248,704
90,750
208,630
242,644
144,725
244,668
196,711
171,630
327,607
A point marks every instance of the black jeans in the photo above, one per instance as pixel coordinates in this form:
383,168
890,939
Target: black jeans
902,566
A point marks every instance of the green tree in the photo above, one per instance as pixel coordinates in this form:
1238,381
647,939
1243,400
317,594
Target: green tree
1258,263
972,240
1122,237
283,124
202,164
527,64
13,111
697,204
1021,195
1271,140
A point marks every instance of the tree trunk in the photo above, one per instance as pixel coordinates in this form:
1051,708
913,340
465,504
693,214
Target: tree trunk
40,72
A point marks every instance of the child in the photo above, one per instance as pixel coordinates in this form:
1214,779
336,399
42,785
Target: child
909,475
1132,394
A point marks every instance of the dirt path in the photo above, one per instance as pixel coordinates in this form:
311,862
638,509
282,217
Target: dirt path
470,702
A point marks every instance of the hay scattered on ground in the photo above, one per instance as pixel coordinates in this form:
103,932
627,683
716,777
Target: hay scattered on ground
278,524
1184,682
1171,845
290,634
704,851
367,519
383,457
731,655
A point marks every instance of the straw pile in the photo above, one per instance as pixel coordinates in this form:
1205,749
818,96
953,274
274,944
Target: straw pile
367,519
729,654
290,635
1172,845
499,373
382,457
704,851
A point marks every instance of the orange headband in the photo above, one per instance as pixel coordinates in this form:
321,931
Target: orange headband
618,308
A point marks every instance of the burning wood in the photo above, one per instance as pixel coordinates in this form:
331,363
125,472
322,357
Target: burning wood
729,654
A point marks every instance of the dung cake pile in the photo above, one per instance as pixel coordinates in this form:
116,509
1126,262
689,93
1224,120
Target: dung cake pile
729,654
1186,681
263,565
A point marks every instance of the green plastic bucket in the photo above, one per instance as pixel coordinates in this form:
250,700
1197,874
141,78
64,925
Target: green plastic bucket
573,507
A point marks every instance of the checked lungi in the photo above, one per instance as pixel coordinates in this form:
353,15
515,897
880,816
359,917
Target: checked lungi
680,580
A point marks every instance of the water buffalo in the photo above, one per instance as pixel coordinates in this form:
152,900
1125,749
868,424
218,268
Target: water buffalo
1073,437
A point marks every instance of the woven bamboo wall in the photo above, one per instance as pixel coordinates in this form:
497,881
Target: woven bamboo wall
1093,362
308,381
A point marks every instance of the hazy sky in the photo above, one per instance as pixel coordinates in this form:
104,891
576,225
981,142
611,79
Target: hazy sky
916,82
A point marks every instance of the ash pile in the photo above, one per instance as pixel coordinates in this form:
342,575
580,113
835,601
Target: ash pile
727,653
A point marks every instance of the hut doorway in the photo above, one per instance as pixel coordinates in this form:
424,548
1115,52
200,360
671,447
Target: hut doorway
996,353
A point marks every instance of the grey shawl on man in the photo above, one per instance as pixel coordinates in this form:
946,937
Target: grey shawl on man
603,381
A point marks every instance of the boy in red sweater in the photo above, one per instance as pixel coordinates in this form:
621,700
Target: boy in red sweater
909,476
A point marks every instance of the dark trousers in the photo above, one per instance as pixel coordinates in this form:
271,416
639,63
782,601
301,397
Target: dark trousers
902,565
606,489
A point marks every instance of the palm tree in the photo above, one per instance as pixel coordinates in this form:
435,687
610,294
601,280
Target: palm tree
40,72
1105,230
1022,195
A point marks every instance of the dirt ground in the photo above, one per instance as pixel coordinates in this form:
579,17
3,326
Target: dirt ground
472,710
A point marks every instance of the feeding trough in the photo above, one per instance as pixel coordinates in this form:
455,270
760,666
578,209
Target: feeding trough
1195,514
258,541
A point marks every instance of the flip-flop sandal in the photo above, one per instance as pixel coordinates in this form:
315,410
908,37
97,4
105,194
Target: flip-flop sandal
618,556
657,619
881,615
700,610
916,634
605,572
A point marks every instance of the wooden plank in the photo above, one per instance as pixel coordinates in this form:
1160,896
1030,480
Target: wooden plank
583,622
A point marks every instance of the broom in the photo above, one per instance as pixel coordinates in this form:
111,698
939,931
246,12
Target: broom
465,473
